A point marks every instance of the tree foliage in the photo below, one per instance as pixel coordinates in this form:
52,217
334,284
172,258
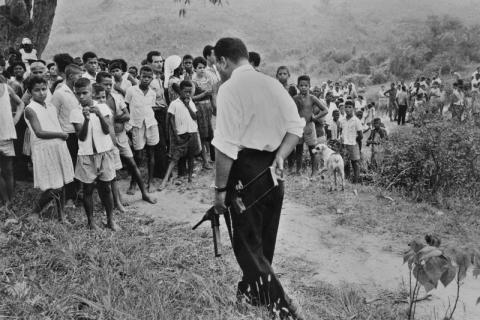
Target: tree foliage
26,18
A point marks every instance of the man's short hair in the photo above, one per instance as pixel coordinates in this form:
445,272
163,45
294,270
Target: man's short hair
97,88
152,54
283,68
231,48
72,69
187,57
102,75
20,63
33,80
207,51
88,55
145,69
254,58
82,83
199,60
186,84
62,60
303,78
51,64
349,103
115,65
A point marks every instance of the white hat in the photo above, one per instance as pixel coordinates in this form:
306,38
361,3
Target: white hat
26,41
171,63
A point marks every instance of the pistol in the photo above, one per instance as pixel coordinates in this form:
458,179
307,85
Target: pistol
213,216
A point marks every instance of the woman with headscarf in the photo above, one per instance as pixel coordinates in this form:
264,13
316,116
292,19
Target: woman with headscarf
173,76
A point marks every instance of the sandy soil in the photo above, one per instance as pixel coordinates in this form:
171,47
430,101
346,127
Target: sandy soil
334,253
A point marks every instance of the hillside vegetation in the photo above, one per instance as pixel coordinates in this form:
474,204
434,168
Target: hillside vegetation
312,36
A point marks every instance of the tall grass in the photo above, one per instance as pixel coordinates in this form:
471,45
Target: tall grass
149,270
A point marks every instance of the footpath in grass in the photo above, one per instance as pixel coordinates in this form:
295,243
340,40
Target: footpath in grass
152,269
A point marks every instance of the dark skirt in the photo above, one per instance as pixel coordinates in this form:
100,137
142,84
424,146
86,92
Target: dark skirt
204,119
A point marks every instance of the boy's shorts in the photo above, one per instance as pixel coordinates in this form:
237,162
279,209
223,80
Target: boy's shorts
310,134
187,145
117,160
6,148
121,142
352,152
145,136
99,166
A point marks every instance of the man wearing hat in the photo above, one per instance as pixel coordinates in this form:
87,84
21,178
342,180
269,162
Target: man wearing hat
27,51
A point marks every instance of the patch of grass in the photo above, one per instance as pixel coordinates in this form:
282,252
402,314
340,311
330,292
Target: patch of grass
400,219
149,270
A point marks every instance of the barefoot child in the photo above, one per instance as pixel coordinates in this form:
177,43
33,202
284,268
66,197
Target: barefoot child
141,100
306,103
351,131
184,139
7,135
52,164
96,157
99,96
377,136
121,116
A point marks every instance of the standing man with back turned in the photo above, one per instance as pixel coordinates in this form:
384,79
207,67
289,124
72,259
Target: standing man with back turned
257,127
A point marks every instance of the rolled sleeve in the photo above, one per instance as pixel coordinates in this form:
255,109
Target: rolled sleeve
227,127
293,123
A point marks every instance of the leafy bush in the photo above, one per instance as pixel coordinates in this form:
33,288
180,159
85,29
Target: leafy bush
379,76
434,162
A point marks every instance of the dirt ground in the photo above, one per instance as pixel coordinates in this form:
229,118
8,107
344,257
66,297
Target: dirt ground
317,228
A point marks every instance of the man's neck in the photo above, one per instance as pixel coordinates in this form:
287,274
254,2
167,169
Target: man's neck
349,117
69,84
19,78
92,74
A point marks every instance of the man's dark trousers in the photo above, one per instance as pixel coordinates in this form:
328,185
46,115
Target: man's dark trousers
255,230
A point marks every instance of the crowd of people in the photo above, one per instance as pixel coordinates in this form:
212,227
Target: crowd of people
75,121
70,124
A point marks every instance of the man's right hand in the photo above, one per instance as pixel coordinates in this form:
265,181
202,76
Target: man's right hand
219,201
63,135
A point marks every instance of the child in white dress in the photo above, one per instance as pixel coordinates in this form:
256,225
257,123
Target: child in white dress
52,164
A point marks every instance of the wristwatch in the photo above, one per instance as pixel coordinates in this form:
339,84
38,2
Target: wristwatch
217,189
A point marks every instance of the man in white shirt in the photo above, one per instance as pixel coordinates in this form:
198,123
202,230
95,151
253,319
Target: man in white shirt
156,62
351,131
258,126
96,157
65,101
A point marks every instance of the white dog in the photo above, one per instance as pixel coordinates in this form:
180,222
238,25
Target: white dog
333,163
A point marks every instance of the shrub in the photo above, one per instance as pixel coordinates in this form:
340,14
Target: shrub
434,162
378,77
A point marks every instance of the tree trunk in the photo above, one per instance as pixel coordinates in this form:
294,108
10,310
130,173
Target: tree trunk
20,19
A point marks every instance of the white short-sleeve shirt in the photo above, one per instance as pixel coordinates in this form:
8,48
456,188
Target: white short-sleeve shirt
255,112
95,136
349,130
65,101
141,106
183,121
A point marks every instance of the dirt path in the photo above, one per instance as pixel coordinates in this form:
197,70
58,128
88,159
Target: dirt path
335,254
